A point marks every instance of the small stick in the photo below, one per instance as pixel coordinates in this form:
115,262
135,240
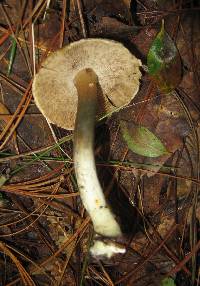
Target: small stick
47,7
62,32
81,18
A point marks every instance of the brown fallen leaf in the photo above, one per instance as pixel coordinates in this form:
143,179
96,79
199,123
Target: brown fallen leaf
44,33
4,112
106,8
127,3
164,117
111,27
151,194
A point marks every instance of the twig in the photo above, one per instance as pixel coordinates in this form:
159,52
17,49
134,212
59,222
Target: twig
55,139
33,48
47,7
81,18
63,23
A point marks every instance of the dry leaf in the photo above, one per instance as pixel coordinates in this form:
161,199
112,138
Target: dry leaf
4,120
127,3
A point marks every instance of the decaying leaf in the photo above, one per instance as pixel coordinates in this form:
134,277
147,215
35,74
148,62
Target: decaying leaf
164,63
166,119
127,3
109,26
3,179
108,8
142,141
5,119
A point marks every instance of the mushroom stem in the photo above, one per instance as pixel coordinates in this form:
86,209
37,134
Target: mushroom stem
91,193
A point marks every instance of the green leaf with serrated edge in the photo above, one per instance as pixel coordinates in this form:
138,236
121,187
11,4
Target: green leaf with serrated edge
163,61
168,282
142,141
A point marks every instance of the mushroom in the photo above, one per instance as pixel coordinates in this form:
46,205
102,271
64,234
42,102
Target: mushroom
67,90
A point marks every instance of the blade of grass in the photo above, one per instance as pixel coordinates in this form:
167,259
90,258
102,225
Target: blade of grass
46,9
86,259
63,140
12,56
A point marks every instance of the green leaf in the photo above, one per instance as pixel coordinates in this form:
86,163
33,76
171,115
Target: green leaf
3,179
163,61
168,282
12,56
142,141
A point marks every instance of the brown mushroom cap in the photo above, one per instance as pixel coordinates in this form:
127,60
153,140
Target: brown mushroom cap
117,70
